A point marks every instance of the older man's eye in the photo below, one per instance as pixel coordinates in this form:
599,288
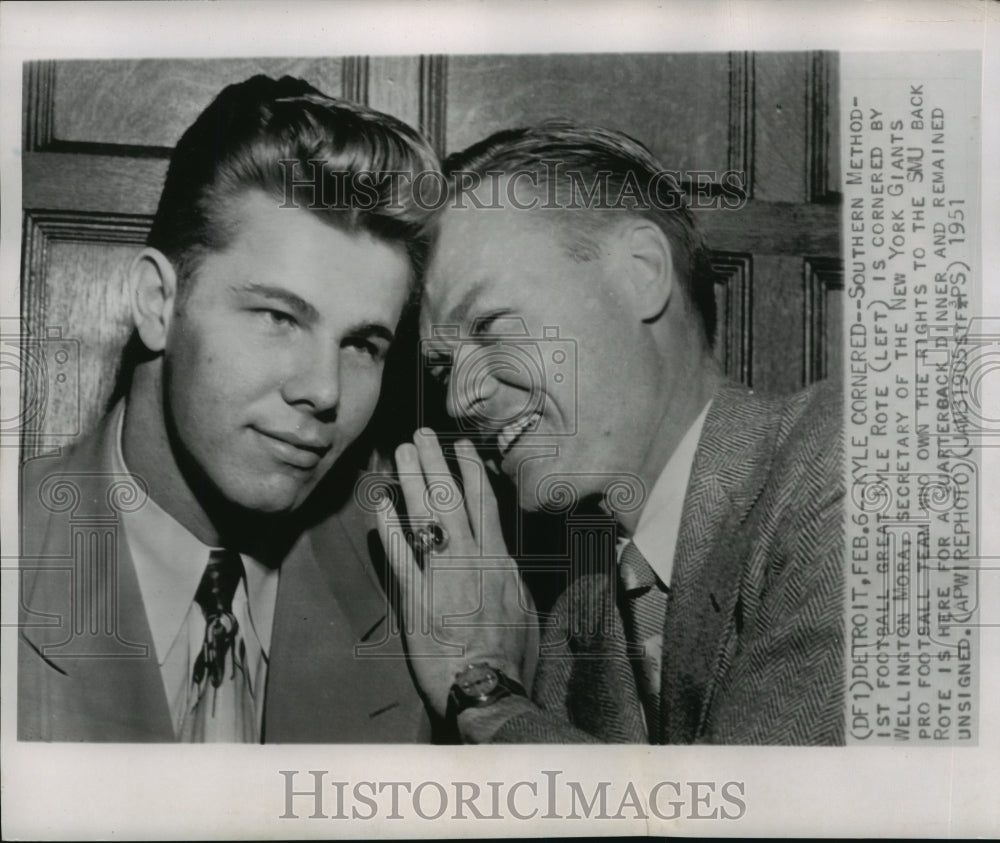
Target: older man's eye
441,374
365,346
438,363
498,323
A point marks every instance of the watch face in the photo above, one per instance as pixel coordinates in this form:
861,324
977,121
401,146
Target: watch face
478,681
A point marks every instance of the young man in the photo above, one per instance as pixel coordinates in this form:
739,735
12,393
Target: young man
717,618
175,586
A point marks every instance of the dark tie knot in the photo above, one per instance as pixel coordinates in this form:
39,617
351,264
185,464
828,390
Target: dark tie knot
215,596
219,583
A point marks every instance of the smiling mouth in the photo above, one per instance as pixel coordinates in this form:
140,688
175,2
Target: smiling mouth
293,450
510,434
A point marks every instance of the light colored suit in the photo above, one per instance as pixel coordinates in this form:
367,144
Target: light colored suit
87,666
753,647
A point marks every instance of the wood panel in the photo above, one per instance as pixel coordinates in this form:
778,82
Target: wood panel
823,304
741,117
354,83
777,228
74,299
777,323
734,323
659,99
63,181
394,85
414,89
434,93
781,83
794,127
88,106
823,119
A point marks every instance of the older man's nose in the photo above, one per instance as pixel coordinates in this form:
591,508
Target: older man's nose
469,393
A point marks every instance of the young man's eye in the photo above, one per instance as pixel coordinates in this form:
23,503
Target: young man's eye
276,317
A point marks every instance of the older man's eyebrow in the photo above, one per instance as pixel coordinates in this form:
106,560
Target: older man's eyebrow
459,313
298,305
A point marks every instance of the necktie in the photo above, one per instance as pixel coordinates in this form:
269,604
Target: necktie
222,708
645,614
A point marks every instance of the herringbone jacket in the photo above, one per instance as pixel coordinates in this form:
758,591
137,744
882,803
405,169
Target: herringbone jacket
753,646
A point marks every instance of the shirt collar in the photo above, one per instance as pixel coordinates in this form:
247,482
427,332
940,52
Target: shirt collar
169,562
659,523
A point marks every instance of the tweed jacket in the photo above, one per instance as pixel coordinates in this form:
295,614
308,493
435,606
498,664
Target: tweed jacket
753,646
87,666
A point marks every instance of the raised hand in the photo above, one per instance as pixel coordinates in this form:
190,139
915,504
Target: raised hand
463,600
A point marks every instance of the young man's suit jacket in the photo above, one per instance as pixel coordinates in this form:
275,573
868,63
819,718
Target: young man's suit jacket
87,665
753,648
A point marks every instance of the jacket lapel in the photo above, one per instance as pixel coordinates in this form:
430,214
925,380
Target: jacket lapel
730,468
96,676
337,671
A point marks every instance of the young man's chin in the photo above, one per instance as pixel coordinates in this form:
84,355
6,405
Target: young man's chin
274,499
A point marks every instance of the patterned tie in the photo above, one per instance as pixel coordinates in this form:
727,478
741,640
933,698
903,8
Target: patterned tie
645,616
224,711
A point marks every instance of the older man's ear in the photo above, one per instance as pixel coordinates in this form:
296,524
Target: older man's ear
152,284
643,258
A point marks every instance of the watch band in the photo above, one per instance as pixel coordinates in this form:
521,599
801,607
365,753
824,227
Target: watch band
477,686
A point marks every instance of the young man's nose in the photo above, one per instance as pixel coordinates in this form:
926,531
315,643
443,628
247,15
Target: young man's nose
315,381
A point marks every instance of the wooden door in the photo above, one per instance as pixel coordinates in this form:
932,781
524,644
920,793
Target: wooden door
97,137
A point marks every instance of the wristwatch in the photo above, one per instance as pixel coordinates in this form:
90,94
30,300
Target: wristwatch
479,685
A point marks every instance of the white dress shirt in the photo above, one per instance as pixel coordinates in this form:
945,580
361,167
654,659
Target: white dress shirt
656,539
169,563
660,520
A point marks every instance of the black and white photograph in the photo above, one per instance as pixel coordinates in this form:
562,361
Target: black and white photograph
490,430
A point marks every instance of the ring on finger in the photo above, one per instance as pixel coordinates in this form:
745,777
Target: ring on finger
432,537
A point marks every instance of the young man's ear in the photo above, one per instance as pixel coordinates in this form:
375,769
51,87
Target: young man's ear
153,295
648,267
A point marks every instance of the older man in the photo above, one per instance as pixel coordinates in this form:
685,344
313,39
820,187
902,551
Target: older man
716,616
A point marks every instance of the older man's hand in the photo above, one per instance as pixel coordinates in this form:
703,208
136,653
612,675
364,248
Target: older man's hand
463,600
